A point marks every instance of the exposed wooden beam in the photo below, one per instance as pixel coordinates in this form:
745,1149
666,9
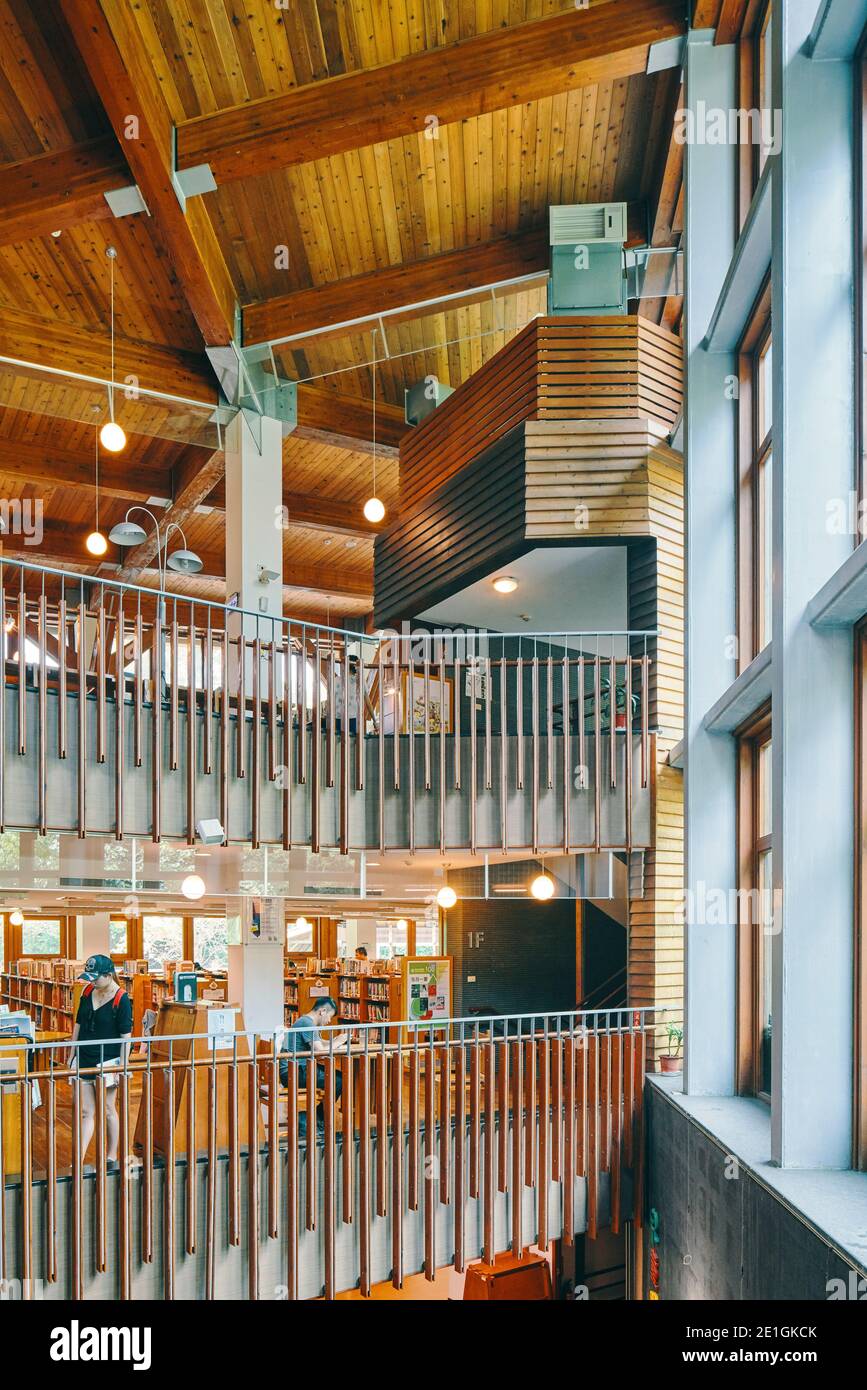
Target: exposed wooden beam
44,194
347,421
390,289
670,184
396,289
506,67
66,348
110,45
48,465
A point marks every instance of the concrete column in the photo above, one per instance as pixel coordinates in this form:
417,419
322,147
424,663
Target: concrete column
254,498
256,971
710,435
93,935
813,720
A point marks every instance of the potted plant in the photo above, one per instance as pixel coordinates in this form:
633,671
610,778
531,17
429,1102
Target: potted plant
619,703
672,1061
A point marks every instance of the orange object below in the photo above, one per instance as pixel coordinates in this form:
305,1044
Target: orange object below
519,1278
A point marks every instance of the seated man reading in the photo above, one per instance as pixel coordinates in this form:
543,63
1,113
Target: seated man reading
304,1037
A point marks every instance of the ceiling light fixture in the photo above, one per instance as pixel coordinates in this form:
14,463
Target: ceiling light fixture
542,887
374,509
505,584
193,887
96,542
447,897
183,561
111,434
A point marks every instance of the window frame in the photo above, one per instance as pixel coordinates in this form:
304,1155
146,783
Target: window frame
751,738
752,454
859,68
859,1015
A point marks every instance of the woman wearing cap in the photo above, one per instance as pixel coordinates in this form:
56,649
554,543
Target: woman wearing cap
104,1026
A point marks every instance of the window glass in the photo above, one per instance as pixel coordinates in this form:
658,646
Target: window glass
766,395
40,936
162,940
766,912
211,942
765,92
426,938
765,567
391,939
118,930
299,936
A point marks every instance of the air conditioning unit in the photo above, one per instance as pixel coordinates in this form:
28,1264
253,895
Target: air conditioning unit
587,223
587,271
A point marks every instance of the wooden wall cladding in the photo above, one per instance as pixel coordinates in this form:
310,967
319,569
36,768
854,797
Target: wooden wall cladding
558,368
453,535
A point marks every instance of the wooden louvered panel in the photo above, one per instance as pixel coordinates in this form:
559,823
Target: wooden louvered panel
559,368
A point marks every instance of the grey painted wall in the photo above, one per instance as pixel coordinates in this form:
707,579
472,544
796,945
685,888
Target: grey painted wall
721,1238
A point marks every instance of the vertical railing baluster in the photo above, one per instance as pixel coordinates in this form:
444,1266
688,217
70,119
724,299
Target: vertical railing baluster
192,729
208,708
473,671
331,724
536,756
457,739
549,718
42,638
430,1185
489,769
119,718
597,749
446,725
174,690
612,717
138,677
397,1142
460,1107
315,749
567,746
256,743
426,750
101,667
22,669
519,718
4,640
157,722
62,712
490,1163
82,717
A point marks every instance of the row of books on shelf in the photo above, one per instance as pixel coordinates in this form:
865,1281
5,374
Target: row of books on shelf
337,965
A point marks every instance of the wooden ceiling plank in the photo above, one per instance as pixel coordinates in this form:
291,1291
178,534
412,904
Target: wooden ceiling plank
61,189
51,343
110,47
731,21
49,465
340,420
488,72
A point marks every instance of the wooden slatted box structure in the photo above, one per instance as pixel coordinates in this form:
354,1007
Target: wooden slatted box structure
558,368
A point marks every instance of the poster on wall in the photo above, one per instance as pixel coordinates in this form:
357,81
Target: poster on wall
263,921
427,989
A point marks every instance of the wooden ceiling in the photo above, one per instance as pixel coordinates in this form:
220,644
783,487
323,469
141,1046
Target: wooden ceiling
366,157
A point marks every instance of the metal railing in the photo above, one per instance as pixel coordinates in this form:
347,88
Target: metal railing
519,1129
160,710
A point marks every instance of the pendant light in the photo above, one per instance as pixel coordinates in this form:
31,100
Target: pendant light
374,510
542,888
112,436
96,542
193,887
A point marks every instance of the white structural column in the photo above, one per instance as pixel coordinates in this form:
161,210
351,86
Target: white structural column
256,964
710,433
254,497
813,723
93,935
254,540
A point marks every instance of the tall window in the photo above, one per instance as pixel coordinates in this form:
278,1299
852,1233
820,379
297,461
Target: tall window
40,936
118,929
859,1128
755,485
756,927
861,273
299,937
427,938
162,940
391,939
211,942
